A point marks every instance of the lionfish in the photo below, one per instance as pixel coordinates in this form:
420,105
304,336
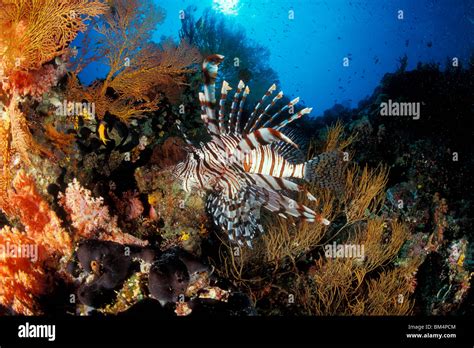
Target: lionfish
245,166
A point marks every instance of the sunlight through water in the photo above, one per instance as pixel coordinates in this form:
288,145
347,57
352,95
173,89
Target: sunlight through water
228,7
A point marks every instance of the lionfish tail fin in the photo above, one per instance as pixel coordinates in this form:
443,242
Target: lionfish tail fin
326,170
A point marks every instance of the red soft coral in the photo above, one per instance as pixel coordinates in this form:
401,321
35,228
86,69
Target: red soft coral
22,280
35,82
41,223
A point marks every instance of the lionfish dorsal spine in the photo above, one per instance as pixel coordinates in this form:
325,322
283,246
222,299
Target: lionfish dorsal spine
262,116
207,99
224,90
298,115
284,108
233,112
241,109
254,114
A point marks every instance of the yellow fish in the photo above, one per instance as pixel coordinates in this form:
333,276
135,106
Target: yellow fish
184,236
102,135
152,199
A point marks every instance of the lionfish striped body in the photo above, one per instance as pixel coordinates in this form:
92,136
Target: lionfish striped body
245,166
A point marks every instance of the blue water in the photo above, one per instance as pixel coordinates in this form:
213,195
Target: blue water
308,51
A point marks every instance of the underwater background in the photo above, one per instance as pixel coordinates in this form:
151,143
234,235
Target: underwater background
307,52
110,201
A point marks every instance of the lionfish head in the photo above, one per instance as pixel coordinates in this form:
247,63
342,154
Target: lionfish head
210,66
187,171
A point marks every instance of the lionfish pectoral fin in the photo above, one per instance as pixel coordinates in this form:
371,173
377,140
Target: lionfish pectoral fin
324,221
284,206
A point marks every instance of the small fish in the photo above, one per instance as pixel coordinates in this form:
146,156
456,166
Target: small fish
184,236
102,133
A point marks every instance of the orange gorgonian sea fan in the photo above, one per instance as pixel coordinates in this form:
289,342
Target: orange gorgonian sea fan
34,32
141,72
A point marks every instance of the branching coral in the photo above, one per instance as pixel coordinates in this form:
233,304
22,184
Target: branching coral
381,243
335,138
285,239
364,192
140,72
386,295
345,286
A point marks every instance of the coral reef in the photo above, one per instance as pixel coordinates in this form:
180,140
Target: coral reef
29,41
290,273
140,72
427,188
24,277
90,210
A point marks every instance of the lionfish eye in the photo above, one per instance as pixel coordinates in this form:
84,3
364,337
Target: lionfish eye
195,156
